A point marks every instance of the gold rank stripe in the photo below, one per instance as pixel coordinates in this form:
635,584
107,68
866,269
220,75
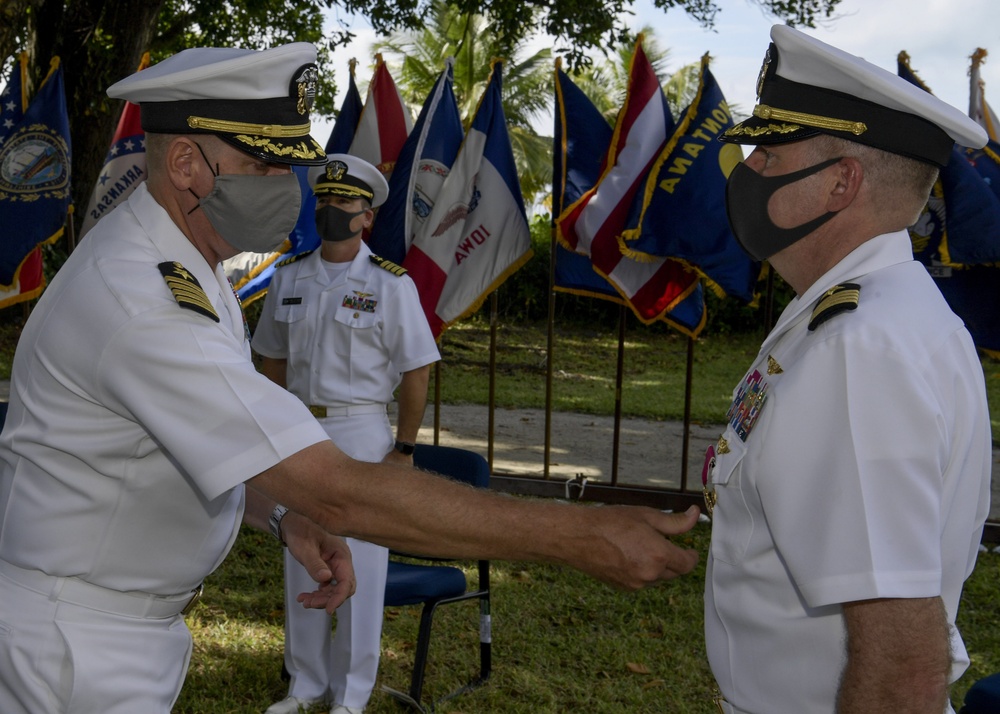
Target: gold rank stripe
838,299
186,289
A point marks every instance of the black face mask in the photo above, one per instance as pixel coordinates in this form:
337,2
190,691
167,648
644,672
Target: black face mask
747,196
334,224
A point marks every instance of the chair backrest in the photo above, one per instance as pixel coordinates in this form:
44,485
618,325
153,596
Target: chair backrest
459,464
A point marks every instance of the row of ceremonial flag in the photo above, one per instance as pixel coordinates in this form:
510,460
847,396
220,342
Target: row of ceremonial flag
638,206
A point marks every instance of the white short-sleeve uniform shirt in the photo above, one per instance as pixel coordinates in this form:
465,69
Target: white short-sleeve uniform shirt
856,465
133,421
348,341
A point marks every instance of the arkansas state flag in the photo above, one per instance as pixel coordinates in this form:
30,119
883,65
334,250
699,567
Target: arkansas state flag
681,211
35,161
385,122
477,233
30,280
423,165
124,166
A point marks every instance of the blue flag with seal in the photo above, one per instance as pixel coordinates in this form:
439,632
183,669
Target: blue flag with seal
962,218
35,162
681,213
347,120
423,165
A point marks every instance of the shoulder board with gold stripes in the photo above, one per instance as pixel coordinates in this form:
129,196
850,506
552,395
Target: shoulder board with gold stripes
292,259
838,299
186,289
387,265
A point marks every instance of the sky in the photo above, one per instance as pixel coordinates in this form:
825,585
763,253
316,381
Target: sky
939,36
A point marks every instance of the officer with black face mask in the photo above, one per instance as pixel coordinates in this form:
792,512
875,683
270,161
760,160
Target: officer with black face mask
850,486
341,329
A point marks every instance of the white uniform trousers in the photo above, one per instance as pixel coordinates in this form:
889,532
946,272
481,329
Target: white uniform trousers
57,656
342,670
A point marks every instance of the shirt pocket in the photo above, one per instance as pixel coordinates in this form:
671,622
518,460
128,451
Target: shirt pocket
732,522
352,327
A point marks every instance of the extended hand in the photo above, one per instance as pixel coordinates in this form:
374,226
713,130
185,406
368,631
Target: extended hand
327,559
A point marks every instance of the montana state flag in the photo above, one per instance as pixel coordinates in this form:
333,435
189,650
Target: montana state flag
34,177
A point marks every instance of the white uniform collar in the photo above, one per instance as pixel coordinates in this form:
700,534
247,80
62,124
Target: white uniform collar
358,270
879,252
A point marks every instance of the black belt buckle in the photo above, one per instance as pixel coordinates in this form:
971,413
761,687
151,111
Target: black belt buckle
193,601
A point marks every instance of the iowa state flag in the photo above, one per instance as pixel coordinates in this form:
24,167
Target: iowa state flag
423,164
477,233
35,161
124,166
385,122
681,211
30,280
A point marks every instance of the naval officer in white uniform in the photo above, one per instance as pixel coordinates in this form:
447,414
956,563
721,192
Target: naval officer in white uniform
852,481
139,433
341,329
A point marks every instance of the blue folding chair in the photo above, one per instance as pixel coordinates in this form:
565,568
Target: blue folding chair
434,584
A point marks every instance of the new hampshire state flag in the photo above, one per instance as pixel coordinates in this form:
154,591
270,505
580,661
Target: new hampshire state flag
30,280
477,233
423,165
681,211
124,165
34,177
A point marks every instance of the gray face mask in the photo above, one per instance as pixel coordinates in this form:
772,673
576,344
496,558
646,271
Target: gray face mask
252,213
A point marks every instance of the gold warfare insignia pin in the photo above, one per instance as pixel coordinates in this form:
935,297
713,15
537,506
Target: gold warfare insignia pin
186,289
772,366
335,170
304,88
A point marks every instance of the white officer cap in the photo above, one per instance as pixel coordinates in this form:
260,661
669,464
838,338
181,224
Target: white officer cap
257,101
346,175
807,87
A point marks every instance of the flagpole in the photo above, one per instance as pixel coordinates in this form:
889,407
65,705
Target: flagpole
493,376
618,394
437,402
549,359
685,443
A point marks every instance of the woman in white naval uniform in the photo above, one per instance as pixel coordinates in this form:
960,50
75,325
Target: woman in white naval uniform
341,329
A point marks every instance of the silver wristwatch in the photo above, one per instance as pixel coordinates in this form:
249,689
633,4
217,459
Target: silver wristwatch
275,522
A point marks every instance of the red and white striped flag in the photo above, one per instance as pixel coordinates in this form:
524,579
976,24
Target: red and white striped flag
591,224
385,122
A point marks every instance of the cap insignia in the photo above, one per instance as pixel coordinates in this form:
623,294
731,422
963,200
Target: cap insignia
763,72
186,289
838,299
304,88
335,170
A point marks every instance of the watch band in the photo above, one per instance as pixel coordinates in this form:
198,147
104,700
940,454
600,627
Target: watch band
404,447
274,522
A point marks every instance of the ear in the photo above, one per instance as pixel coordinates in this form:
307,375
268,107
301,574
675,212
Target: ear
181,168
369,218
849,174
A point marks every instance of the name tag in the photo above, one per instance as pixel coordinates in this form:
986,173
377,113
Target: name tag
291,301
